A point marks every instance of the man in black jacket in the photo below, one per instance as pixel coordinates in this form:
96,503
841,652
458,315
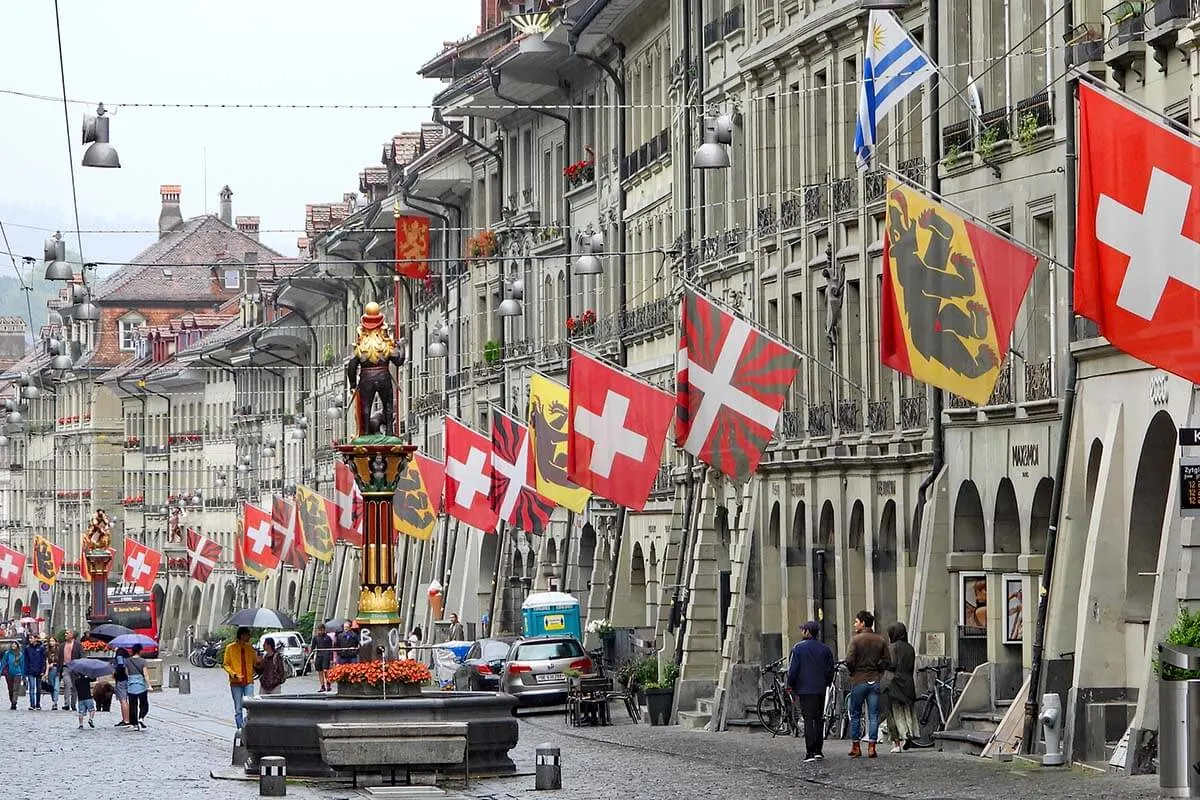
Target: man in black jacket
810,673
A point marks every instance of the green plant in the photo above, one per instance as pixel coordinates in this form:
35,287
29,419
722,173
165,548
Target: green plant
327,355
1184,633
491,351
1027,128
572,673
987,142
306,623
952,154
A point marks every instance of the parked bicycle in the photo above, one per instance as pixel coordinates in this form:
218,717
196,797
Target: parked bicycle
776,708
837,704
206,654
934,707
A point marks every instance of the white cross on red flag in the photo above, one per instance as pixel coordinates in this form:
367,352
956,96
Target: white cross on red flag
469,477
256,540
349,501
731,384
287,541
12,564
617,433
141,564
203,554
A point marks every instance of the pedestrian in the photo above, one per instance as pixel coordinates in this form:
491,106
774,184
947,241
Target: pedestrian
455,632
13,669
53,669
35,667
121,685
414,643
347,644
322,649
138,688
240,662
83,691
867,658
900,688
71,650
811,670
273,673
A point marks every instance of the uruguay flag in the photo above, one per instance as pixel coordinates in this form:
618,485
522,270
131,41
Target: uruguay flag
894,65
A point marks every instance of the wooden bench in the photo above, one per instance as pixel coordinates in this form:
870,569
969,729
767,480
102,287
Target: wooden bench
385,747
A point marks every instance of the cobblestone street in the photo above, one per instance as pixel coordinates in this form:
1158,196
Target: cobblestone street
189,738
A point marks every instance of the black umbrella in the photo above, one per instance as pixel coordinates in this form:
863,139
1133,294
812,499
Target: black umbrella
334,625
261,618
109,631
90,667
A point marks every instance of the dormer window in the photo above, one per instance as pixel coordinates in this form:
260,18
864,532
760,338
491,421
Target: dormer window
233,279
128,327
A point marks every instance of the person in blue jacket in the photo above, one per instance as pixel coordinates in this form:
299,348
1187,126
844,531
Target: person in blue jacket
11,667
35,667
810,673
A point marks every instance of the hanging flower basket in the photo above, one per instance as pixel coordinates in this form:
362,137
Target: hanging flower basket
483,245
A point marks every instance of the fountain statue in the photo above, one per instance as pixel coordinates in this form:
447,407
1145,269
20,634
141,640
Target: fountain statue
98,553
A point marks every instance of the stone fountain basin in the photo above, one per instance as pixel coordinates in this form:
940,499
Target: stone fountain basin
286,725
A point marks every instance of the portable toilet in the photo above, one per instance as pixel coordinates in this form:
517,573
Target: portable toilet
552,614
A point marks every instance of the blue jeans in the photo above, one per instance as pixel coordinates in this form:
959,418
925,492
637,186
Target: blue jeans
52,676
33,687
240,693
864,693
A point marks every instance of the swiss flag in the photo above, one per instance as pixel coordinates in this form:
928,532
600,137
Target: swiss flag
202,554
256,540
286,540
617,432
141,564
513,479
349,500
469,477
12,564
1137,243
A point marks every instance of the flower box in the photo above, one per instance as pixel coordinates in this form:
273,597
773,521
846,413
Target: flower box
381,690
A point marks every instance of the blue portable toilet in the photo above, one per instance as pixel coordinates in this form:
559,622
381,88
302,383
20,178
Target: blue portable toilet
552,614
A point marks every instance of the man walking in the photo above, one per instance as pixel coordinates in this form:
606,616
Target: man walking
455,632
810,673
35,669
867,658
240,662
71,650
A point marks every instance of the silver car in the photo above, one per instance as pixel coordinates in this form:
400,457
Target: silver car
534,672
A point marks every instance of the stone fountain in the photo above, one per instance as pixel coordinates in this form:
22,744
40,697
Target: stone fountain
286,725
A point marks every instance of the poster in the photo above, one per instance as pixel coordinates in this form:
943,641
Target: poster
1014,609
974,601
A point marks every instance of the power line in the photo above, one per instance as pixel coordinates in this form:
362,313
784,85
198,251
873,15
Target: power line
25,288
62,73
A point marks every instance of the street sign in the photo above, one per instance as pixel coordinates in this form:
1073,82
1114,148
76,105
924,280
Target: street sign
1189,487
1189,437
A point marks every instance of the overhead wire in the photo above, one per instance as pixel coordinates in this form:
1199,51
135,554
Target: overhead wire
62,73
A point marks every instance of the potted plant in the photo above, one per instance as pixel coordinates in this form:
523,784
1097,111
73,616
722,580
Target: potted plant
491,351
1184,633
660,692
482,245
400,678
581,172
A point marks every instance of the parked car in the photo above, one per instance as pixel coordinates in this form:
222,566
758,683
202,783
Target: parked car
535,670
483,665
292,646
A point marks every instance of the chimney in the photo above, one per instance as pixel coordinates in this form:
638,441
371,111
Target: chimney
170,217
227,205
249,226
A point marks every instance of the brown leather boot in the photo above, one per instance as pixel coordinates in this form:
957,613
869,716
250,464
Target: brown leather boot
871,750
856,750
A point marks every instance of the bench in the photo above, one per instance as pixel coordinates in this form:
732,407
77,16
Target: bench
357,747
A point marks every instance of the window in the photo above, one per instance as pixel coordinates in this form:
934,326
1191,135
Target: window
233,279
1039,304
128,328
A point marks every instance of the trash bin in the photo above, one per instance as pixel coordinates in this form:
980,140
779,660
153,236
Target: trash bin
1178,735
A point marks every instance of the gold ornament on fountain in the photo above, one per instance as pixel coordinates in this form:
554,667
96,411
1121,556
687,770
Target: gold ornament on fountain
376,601
99,532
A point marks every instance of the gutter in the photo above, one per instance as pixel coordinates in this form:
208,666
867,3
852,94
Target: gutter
580,26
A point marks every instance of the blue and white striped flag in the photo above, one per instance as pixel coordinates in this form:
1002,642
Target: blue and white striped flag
894,65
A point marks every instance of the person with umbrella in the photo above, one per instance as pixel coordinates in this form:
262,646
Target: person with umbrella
81,674
322,648
139,688
72,649
240,662
34,666
13,669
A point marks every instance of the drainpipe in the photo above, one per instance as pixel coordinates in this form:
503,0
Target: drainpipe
461,131
1064,436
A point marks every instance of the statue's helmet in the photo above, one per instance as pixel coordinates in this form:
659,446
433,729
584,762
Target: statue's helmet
372,317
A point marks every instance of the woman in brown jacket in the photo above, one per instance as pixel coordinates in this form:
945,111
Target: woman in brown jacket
273,673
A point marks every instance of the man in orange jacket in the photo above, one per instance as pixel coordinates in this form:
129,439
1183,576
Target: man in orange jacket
241,661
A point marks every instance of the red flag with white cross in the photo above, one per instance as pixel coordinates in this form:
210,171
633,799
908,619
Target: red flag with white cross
1137,243
286,538
617,433
141,564
349,501
12,564
516,500
203,554
730,387
469,477
257,554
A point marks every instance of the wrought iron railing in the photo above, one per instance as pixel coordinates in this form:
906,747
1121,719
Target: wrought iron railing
791,425
816,201
850,416
914,413
844,193
724,244
957,402
820,419
791,212
1003,393
712,31
766,220
664,481
734,20
914,169
879,415
1040,106
874,185
552,352
1039,380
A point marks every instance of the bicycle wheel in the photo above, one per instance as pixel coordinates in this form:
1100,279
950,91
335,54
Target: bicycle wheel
832,713
772,714
929,720
208,661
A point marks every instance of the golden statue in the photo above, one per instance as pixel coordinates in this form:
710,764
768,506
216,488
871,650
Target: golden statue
374,351
99,532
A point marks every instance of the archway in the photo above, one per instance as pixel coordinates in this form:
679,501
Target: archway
796,574
637,569
193,610
1039,516
1147,513
170,624
1006,522
883,557
35,603
551,560
159,597
227,598
825,584
856,560
579,580
968,535
771,568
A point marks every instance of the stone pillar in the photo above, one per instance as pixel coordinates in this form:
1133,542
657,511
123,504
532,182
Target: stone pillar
99,563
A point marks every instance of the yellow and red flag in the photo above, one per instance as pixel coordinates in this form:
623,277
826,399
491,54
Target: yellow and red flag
47,560
412,245
418,498
951,294
317,517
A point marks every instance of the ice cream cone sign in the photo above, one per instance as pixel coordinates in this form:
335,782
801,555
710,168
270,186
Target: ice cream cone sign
436,600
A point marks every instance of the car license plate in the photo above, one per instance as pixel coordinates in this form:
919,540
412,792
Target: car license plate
549,678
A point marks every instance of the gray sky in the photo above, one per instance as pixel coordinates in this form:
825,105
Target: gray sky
187,51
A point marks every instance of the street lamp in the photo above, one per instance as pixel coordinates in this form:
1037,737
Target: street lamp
437,345
95,133
588,263
55,255
718,131
335,406
511,306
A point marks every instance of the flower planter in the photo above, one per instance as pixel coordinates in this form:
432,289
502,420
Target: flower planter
379,690
658,704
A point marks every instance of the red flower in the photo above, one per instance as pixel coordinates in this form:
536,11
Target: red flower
374,673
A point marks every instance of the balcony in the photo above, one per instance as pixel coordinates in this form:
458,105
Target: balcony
914,413
712,32
820,419
1035,115
1085,46
845,194
1039,380
879,416
1164,18
791,425
791,213
850,416
874,185
957,139
650,152
995,128
648,318
664,482
1003,393
728,243
431,403
1125,46
765,221
553,353
816,201
735,20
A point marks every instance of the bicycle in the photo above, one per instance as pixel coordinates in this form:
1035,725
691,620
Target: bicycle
776,708
932,702
837,704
